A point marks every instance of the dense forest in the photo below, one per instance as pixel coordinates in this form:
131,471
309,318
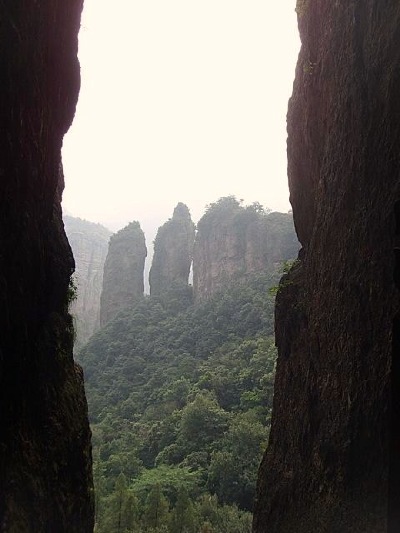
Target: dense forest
180,400
180,384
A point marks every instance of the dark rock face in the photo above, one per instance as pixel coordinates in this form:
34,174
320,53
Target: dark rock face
234,241
45,456
89,243
123,272
173,252
333,459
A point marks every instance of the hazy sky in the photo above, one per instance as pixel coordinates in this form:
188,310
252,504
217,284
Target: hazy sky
181,100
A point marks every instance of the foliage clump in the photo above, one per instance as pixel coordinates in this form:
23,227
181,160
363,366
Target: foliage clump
72,292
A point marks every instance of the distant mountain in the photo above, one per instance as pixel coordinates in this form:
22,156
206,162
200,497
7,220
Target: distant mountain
89,243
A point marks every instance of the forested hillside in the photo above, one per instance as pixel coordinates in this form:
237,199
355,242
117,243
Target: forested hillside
180,383
180,400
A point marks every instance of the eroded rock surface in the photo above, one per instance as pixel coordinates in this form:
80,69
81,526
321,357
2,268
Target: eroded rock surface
123,282
233,241
173,252
332,459
89,243
45,456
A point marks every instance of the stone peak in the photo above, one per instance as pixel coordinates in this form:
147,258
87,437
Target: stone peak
181,211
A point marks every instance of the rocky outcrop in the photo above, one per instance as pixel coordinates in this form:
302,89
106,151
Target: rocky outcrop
45,458
279,240
333,459
233,241
89,243
123,272
173,252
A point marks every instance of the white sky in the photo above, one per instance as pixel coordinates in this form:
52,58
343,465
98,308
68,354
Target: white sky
181,100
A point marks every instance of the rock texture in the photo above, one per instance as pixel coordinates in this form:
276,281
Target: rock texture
332,463
234,241
123,272
89,243
173,252
45,459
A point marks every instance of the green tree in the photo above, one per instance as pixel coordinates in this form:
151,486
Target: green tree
202,422
233,470
120,514
170,480
183,516
156,509
121,495
232,520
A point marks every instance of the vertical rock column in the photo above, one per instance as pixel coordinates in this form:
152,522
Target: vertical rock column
173,252
123,282
45,460
328,466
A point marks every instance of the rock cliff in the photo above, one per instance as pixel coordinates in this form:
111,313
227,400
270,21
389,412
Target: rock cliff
333,458
45,458
173,252
233,240
123,272
89,243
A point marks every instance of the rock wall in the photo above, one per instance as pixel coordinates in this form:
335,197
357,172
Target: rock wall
333,458
45,457
233,240
89,243
173,252
123,271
